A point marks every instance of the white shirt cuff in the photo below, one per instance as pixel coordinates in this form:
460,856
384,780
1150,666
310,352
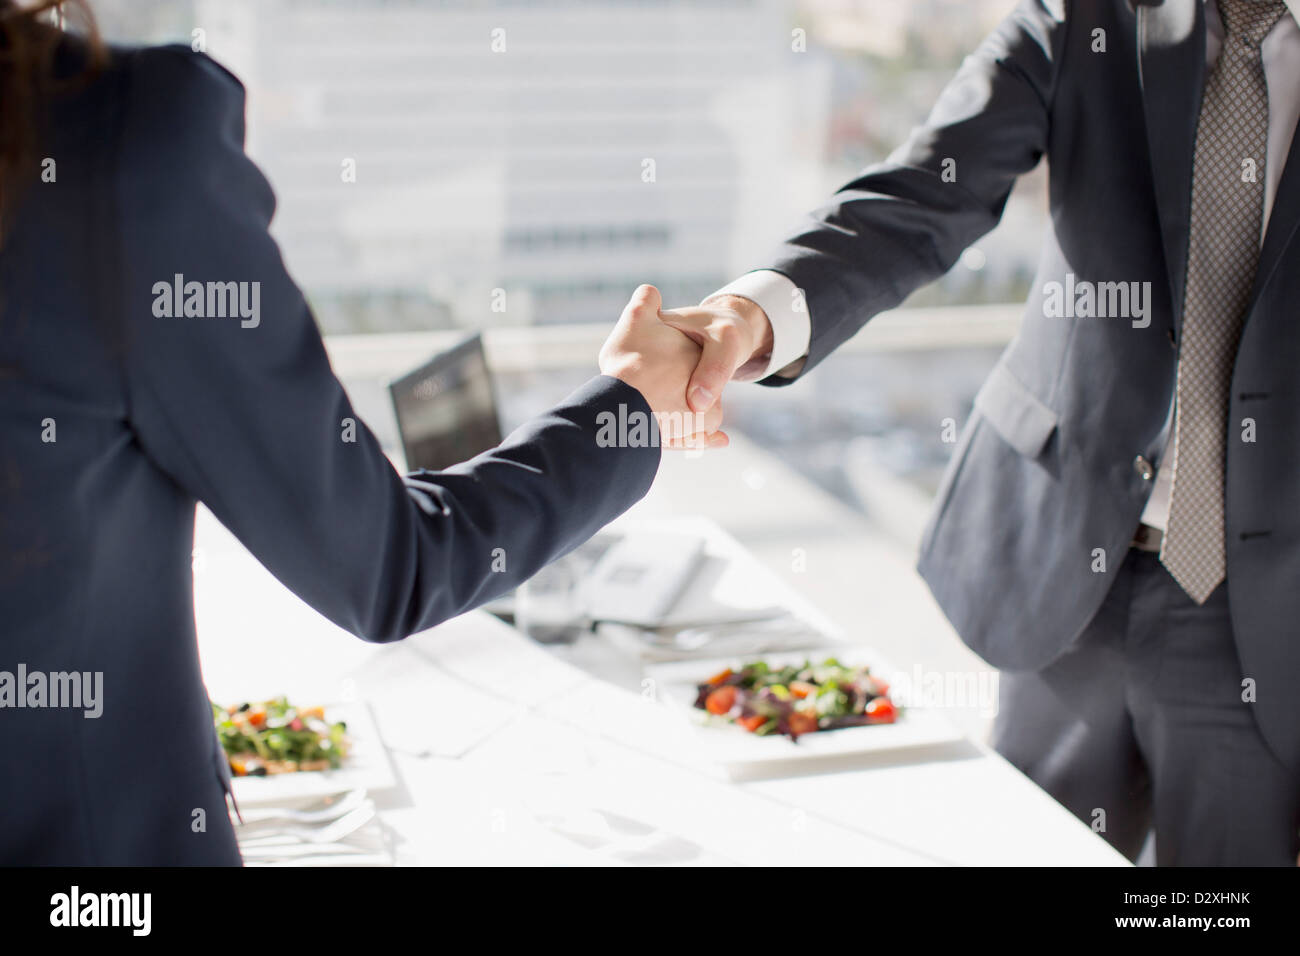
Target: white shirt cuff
786,310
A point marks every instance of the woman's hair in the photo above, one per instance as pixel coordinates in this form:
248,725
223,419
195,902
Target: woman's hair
30,36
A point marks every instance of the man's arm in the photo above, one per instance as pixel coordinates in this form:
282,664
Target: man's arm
784,321
901,223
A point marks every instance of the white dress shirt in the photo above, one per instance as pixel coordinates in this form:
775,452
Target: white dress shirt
1280,51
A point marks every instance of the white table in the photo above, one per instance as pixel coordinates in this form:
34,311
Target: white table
506,754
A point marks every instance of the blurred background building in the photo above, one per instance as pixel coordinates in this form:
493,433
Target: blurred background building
525,164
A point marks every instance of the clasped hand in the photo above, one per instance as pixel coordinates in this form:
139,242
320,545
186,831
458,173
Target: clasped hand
681,359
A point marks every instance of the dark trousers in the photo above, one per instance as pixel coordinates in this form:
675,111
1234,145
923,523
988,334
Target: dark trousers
1142,722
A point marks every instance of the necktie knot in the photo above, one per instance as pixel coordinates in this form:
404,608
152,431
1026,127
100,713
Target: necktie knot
1250,20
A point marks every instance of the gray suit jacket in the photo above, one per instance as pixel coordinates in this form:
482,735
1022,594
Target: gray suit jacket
1045,470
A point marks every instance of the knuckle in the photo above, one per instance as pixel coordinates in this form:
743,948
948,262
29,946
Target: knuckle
712,371
727,334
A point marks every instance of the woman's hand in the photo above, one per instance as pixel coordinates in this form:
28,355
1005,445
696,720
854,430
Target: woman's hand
659,361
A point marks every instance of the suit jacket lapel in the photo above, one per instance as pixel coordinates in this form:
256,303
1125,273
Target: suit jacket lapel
1282,219
1171,68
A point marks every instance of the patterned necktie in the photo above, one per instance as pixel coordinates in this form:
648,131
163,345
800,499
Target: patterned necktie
1223,251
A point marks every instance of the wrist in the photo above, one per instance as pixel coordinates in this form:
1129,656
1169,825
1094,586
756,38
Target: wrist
627,369
760,327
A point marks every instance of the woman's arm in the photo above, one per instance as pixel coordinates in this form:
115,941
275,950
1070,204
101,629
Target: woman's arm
244,412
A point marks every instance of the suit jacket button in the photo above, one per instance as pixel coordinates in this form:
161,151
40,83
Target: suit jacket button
1143,468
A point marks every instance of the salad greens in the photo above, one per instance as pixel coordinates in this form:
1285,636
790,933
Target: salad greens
276,737
797,699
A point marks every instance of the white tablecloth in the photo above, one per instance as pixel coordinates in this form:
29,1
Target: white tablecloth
506,754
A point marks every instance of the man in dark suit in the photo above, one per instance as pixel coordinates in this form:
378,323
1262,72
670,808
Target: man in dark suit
1119,528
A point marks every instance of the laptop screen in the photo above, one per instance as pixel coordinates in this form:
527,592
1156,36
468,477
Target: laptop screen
446,410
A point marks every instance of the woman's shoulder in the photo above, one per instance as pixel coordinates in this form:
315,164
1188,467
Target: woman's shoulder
159,108
169,73
172,90
181,116
141,78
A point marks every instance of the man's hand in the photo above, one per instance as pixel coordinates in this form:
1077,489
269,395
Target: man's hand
658,361
736,338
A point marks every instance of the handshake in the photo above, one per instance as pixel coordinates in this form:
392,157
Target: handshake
681,359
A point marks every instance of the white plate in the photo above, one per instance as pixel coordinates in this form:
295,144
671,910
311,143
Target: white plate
366,767
734,746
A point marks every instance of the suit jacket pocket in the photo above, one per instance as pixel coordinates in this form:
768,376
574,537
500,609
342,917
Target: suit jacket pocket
1015,413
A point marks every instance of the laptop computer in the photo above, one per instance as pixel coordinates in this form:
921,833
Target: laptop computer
446,409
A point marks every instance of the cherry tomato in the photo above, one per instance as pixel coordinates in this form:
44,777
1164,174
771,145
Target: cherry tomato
752,722
721,700
720,677
257,718
881,710
802,722
801,689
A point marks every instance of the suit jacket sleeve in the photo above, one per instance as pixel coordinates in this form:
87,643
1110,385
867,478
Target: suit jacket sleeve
251,420
904,222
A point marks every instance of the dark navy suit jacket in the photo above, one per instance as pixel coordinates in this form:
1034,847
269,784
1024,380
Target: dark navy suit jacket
151,414
1052,468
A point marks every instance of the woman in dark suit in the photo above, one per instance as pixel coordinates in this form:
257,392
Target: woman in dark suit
121,170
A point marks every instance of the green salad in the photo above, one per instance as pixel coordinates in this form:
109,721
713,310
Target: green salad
274,736
797,699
